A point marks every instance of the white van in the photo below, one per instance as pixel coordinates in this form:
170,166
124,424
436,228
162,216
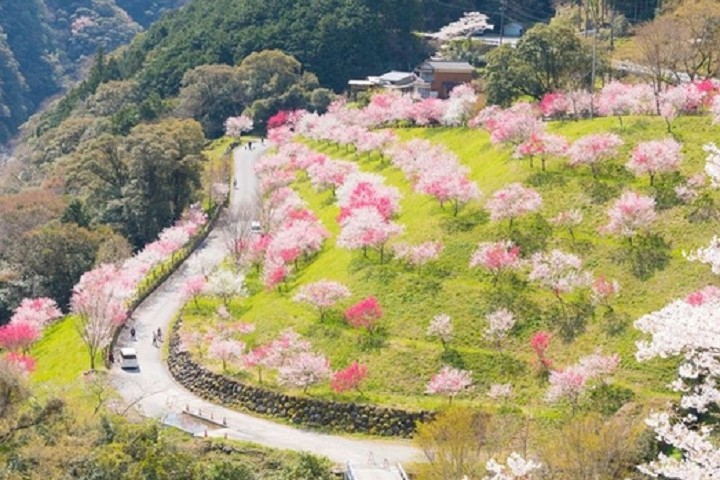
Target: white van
255,227
128,358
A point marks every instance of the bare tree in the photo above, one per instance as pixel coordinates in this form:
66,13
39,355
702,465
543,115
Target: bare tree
659,51
237,233
699,37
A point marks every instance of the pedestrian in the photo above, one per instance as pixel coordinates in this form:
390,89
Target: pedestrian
159,335
250,144
235,183
154,341
111,357
132,334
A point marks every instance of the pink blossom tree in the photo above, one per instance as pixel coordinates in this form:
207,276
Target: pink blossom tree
364,314
349,378
616,98
259,357
500,322
97,309
24,363
449,382
17,337
323,295
568,384
560,272
539,344
593,150
543,145
517,468
603,290
441,327
365,228
631,214
36,311
496,257
236,126
555,105
303,370
418,255
656,156
513,201
226,350
568,219
193,287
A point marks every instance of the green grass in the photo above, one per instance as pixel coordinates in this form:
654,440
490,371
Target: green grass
61,355
400,369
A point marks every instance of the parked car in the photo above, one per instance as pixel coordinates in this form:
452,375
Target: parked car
128,359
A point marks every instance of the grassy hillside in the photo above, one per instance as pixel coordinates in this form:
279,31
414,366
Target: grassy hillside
400,369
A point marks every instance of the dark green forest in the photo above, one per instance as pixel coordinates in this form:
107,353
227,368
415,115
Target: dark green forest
44,44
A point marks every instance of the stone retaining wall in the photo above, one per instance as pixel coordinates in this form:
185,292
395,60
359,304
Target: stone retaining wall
339,416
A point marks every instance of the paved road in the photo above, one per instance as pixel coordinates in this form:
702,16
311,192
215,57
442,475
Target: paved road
155,393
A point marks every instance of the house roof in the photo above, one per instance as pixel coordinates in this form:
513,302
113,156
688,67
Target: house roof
395,76
443,66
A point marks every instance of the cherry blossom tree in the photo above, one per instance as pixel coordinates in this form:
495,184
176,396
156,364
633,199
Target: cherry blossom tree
330,174
447,182
500,322
603,290
685,329
449,382
259,357
364,314
512,126
516,468
418,255
441,327
226,350
616,98
656,156
593,150
365,228
226,284
555,105
275,272
539,343
193,287
567,384
36,311
323,294
25,363
98,309
303,370
16,337
496,257
500,391
468,24
568,219
513,201
236,126
631,214
349,378
560,272
543,145
459,105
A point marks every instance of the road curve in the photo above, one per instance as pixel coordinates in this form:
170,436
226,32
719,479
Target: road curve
155,393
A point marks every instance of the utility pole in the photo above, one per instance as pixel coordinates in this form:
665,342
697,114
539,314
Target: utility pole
502,20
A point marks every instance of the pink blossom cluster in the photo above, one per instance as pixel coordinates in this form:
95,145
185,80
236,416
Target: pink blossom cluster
323,295
27,324
496,257
499,391
80,23
418,255
630,214
449,382
466,25
512,201
555,105
434,171
558,271
236,126
367,190
512,126
543,145
712,163
568,218
500,322
593,149
656,156
570,383
441,327
603,290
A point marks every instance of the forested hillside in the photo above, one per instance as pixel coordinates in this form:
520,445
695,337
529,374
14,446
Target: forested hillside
43,44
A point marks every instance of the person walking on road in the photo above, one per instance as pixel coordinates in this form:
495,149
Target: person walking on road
154,340
132,334
159,335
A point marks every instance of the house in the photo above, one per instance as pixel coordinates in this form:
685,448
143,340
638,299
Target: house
438,77
393,80
513,29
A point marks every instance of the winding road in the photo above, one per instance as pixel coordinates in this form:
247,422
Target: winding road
155,393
